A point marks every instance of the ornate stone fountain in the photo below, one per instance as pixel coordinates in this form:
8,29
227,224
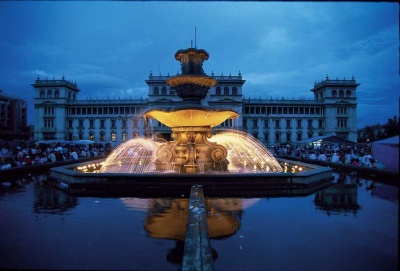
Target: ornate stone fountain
191,123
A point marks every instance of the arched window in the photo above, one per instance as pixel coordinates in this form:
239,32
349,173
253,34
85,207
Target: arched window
49,93
156,91
42,95
56,93
234,91
164,91
218,91
334,93
322,95
341,93
316,96
69,95
226,91
348,93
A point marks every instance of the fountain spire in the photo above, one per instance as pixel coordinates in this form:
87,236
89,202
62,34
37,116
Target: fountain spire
192,84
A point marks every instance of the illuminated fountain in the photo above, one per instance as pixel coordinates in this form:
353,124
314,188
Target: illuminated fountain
225,163
191,151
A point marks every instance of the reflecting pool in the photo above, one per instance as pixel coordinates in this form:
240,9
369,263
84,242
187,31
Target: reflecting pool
352,225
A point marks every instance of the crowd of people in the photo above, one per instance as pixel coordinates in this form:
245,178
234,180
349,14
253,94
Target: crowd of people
356,154
19,156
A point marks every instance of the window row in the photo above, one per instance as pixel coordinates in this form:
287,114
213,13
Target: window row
135,123
49,123
341,123
341,110
341,93
289,123
218,91
284,136
49,111
50,93
164,91
263,110
102,136
111,110
55,94
226,91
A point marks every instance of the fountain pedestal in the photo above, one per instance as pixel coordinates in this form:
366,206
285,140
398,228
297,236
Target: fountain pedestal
191,152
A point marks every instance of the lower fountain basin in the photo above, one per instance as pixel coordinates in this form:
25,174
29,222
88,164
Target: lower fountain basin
308,181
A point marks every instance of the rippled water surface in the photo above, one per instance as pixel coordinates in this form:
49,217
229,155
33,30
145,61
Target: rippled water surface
349,226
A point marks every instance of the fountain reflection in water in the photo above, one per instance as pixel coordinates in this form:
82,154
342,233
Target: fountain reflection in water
244,153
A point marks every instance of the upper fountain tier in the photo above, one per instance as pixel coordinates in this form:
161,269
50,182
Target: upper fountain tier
193,116
192,85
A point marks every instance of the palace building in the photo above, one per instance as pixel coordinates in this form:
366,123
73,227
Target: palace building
61,115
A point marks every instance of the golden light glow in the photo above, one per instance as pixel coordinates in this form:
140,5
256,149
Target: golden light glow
191,117
191,79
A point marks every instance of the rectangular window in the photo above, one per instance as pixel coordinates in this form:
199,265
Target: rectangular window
101,123
255,123
113,123
298,123
80,123
298,137
276,123
113,137
276,137
288,137
309,123
91,123
320,124
287,123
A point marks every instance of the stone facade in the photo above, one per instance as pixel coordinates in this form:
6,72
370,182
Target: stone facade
60,115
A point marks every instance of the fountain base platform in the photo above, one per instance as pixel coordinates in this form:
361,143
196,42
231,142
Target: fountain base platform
306,182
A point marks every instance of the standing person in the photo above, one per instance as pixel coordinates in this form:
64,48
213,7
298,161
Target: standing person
366,158
322,157
335,158
51,157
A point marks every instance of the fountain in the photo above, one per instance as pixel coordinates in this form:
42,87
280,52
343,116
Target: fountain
191,151
225,161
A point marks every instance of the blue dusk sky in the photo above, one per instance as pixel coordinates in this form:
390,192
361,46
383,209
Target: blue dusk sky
281,48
